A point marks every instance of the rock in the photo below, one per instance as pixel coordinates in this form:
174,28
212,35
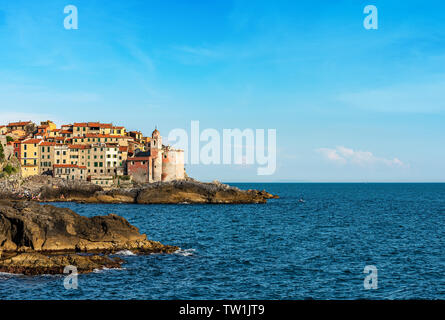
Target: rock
198,192
37,263
43,239
47,189
31,227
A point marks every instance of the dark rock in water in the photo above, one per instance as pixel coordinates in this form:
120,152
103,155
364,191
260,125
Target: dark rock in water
39,230
198,192
37,263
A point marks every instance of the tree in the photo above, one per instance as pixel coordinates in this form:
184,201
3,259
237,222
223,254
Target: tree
2,154
9,169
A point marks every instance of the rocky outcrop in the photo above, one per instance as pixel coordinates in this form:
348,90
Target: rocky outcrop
47,237
36,263
198,192
47,189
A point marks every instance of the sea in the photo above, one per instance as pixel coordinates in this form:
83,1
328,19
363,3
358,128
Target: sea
318,241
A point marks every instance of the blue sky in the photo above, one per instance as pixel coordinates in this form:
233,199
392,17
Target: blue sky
348,104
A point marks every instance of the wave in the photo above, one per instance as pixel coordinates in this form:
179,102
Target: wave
185,252
10,274
107,269
125,253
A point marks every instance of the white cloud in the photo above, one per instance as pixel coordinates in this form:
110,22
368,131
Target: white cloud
343,155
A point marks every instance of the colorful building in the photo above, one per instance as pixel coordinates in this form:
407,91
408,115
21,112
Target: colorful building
30,157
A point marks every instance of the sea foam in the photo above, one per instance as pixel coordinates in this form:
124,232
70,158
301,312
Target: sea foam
185,252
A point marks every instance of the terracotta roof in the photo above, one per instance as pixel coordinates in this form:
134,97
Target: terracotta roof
32,141
139,159
22,123
123,149
93,124
47,144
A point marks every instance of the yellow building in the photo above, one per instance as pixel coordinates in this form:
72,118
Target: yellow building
86,128
51,125
46,157
30,157
118,131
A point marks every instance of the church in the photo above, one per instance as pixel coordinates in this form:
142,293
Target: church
159,163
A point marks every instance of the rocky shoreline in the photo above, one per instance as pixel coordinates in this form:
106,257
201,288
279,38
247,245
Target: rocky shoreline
43,239
48,189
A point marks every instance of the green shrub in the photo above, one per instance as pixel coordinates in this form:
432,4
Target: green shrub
9,169
124,177
9,139
2,154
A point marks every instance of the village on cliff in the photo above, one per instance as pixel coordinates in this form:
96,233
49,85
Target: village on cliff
101,153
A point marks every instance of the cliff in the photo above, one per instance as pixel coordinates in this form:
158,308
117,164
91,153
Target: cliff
36,239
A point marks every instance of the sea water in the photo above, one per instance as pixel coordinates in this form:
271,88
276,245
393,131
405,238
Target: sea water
316,248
